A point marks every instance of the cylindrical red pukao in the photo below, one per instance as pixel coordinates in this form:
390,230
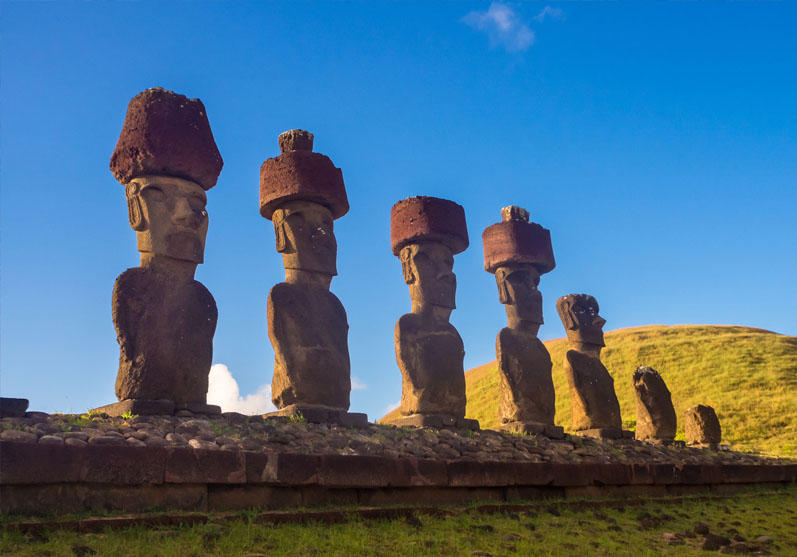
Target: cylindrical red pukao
299,173
516,240
426,218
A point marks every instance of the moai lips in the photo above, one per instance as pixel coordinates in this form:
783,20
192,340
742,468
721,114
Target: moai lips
655,414
166,134
426,233
517,252
165,320
595,408
302,192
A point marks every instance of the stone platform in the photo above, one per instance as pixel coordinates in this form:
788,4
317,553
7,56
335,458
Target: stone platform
142,407
321,415
75,463
436,421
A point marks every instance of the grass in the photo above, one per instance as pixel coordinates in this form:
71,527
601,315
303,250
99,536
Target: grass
549,529
748,375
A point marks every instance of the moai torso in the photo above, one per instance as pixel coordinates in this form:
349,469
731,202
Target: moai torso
430,355
309,332
165,334
655,414
526,389
593,400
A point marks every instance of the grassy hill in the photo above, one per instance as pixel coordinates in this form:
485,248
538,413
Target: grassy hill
748,375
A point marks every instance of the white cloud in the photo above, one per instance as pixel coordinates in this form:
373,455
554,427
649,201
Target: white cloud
357,384
550,13
503,26
223,390
391,407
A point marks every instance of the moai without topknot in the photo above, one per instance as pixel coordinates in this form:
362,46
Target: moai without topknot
702,427
165,320
655,414
595,409
302,192
517,252
426,233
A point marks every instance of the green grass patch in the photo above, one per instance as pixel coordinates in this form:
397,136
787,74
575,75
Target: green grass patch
552,528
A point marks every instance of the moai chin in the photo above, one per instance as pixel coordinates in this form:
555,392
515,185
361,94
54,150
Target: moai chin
517,252
595,409
302,193
165,320
655,414
426,233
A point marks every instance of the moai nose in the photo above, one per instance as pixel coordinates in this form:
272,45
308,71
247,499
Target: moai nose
184,214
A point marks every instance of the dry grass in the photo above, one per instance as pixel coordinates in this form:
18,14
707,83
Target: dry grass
748,375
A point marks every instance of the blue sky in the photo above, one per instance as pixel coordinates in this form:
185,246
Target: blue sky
657,141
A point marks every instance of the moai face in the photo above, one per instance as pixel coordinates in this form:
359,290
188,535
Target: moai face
579,314
306,238
428,270
517,289
169,216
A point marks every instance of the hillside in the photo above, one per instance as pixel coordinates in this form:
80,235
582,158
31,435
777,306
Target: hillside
748,375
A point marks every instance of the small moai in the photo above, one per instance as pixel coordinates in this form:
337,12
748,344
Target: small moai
426,233
517,252
166,158
702,427
655,414
595,409
302,193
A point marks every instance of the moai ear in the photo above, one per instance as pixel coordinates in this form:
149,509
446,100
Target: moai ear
503,291
135,213
279,230
564,307
407,265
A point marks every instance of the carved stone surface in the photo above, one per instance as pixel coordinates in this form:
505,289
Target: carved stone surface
655,414
164,319
166,134
517,252
302,193
701,426
593,400
13,407
426,233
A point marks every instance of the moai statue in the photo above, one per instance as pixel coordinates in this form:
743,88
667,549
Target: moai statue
302,192
702,427
595,409
165,320
655,414
426,233
517,252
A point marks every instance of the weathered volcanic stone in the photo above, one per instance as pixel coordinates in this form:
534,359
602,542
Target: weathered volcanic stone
431,219
308,329
166,134
516,240
299,173
13,407
701,426
526,389
593,400
165,334
655,414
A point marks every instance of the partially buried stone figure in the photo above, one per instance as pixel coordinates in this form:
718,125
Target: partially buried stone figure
302,192
655,414
426,233
165,320
595,409
518,252
702,427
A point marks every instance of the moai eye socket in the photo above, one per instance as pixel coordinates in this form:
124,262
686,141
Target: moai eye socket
154,194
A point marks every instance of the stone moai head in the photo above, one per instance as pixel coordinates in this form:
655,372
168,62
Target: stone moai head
426,233
579,315
167,159
517,252
302,192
